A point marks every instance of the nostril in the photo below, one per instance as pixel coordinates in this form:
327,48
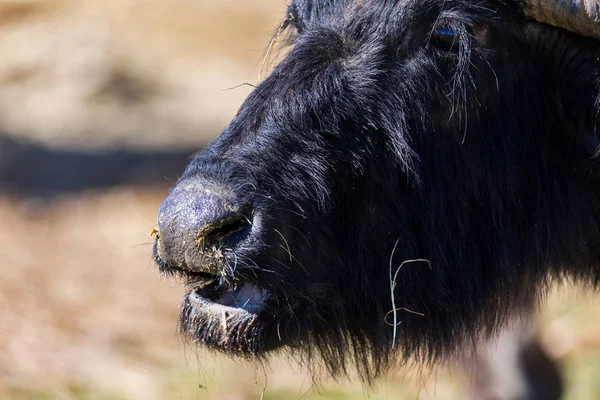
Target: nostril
219,232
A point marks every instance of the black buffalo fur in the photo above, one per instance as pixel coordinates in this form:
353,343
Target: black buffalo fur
373,143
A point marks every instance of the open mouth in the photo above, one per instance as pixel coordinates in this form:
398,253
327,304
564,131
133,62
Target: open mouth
231,317
246,298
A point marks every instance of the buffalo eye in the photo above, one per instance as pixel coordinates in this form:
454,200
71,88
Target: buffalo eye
445,38
450,36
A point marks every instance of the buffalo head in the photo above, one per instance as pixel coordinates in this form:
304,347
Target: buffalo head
409,175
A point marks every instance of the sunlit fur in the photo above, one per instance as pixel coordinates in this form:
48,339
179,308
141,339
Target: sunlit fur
367,135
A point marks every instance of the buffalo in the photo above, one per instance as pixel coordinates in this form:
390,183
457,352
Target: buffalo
410,176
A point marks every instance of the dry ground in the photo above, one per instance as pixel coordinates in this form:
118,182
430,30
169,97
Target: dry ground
83,312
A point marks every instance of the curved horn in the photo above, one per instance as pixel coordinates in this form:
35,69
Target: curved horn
578,16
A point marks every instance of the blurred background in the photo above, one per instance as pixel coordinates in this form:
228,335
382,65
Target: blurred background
102,102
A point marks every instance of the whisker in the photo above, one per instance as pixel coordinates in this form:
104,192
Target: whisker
286,243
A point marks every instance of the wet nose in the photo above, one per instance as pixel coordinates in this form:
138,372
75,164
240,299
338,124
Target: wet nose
194,219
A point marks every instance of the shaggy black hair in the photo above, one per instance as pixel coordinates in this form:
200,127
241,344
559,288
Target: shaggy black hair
457,132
